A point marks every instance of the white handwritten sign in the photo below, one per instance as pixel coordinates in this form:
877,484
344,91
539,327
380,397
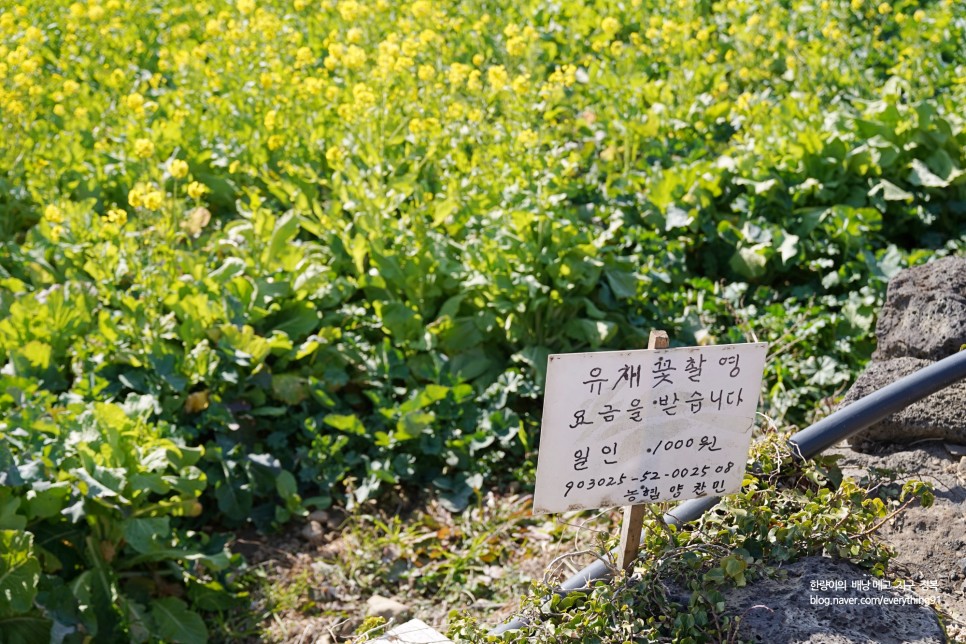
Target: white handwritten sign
630,427
414,632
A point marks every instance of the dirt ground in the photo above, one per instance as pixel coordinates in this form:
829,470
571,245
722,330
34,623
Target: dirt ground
930,542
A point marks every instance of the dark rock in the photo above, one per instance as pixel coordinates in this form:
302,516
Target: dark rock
790,611
941,415
924,315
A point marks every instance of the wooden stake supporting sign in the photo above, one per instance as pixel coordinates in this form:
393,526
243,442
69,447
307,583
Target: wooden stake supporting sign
633,521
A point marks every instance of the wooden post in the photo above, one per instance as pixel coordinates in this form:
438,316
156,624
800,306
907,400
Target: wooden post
634,514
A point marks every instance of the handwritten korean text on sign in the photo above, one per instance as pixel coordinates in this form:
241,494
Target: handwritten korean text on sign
629,427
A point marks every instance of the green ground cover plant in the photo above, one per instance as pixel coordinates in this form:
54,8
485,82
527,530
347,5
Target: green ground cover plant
787,509
258,258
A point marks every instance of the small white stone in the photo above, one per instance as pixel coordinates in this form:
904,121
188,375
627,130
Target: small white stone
313,532
379,606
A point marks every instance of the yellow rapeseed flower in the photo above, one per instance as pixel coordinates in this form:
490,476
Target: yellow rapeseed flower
610,26
304,57
426,72
458,73
197,190
516,46
53,214
473,82
135,196
334,155
143,148
497,78
355,57
153,199
116,216
178,169
270,120
421,9
134,102
350,10
275,142
527,138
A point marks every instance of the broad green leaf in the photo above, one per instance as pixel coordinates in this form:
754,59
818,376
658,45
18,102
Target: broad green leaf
46,500
10,502
19,570
297,320
400,320
176,623
750,261
235,502
25,629
347,423
286,228
788,248
891,192
414,423
677,217
286,485
146,535
921,175
289,388
37,353
472,364
230,267
9,474
622,281
462,334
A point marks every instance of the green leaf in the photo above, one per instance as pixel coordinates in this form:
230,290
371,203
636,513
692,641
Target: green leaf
230,268
48,499
891,192
9,474
400,320
921,175
19,570
289,388
176,623
236,502
286,228
750,261
622,282
733,565
144,534
413,424
349,423
788,248
677,218
25,629
9,505
297,320
38,353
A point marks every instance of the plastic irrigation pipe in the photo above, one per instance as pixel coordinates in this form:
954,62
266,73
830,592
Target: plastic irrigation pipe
808,442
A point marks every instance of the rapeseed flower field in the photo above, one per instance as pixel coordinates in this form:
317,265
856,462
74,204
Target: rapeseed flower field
263,257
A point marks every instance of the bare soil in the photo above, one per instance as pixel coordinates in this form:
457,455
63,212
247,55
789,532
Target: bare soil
323,604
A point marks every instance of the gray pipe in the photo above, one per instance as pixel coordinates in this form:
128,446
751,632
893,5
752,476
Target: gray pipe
808,442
